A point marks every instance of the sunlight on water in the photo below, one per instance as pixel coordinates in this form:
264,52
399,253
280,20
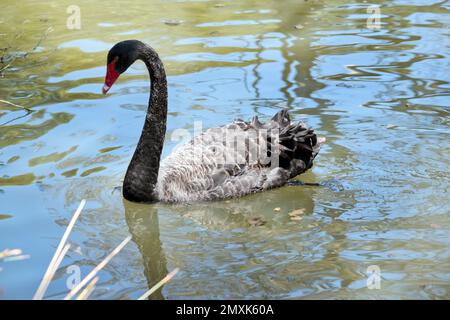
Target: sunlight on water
379,95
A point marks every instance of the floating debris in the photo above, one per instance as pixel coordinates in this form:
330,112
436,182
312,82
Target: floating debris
391,126
17,258
256,221
171,22
298,27
277,209
5,216
8,255
296,213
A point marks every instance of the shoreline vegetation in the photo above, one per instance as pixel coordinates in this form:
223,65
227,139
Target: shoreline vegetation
8,57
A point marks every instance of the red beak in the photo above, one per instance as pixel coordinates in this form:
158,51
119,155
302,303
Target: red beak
111,76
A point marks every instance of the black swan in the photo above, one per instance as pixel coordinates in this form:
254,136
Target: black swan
212,165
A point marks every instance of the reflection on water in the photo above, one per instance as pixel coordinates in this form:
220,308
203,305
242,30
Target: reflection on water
143,223
380,96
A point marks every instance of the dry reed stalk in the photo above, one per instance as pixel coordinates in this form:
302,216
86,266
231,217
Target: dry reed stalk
88,290
94,272
159,284
57,263
16,105
56,257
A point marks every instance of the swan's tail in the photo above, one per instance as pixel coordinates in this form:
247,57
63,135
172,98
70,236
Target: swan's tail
298,145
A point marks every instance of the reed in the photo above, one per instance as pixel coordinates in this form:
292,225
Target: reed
8,255
88,290
16,105
61,250
159,284
94,272
90,281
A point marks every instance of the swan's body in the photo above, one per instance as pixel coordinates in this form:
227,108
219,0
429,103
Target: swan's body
198,170
208,167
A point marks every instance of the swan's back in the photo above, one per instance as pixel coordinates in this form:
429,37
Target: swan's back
237,159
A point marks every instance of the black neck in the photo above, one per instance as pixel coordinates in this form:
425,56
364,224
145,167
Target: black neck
142,173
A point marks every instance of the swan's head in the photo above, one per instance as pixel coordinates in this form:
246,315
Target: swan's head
120,57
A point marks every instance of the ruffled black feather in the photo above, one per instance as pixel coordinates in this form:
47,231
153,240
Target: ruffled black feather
297,145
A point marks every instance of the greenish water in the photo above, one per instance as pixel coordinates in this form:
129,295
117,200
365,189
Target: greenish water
380,96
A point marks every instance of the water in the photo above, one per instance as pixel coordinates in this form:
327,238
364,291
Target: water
380,96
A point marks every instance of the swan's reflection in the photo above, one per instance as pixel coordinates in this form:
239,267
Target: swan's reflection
215,220
143,223
271,207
